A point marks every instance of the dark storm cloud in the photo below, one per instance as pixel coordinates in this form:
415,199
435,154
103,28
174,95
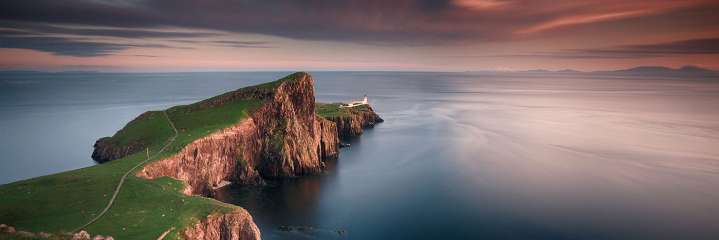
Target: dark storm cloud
69,47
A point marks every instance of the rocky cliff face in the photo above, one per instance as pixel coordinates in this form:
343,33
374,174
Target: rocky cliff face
226,155
283,138
355,121
295,140
236,225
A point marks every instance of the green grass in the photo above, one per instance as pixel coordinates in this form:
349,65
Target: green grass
328,110
144,208
150,128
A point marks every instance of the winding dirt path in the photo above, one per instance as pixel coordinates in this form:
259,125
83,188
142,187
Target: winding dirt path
164,234
122,180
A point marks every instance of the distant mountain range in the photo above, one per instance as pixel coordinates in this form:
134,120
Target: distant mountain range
663,71
641,71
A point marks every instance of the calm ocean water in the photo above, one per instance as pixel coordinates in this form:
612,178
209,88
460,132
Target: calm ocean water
460,156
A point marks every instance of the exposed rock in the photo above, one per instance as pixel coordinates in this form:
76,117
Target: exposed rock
353,123
106,150
224,155
236,225
82,235
294,139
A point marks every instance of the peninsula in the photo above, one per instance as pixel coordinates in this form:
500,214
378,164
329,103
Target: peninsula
159,172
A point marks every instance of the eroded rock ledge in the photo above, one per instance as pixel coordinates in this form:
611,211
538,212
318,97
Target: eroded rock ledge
236,225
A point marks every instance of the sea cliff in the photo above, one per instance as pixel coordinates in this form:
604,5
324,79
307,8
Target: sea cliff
282,138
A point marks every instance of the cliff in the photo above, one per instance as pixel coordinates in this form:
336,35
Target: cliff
350,122
281,138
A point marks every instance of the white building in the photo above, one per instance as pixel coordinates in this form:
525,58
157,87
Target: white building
355,103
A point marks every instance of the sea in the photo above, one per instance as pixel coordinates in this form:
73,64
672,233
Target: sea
461,155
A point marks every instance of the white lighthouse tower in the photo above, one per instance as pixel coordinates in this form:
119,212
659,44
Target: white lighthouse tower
355,103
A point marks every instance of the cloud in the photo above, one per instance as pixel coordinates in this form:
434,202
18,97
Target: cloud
481,4
378,22
41,28
68,46
681,47
581,19
228,43
243,44
689,46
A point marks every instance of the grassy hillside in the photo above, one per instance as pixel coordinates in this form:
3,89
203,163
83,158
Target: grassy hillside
144,208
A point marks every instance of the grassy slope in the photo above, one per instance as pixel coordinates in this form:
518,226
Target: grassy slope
144,208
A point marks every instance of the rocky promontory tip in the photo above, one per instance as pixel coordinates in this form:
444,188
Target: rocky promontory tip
350,121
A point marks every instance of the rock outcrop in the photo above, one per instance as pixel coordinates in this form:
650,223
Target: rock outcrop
236,225
282,138
105,150
353,123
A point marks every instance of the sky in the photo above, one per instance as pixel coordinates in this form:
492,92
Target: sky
414,35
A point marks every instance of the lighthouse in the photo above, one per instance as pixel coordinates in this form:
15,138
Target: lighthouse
355,103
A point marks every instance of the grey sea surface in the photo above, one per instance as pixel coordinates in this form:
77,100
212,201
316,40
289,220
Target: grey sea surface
459,156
